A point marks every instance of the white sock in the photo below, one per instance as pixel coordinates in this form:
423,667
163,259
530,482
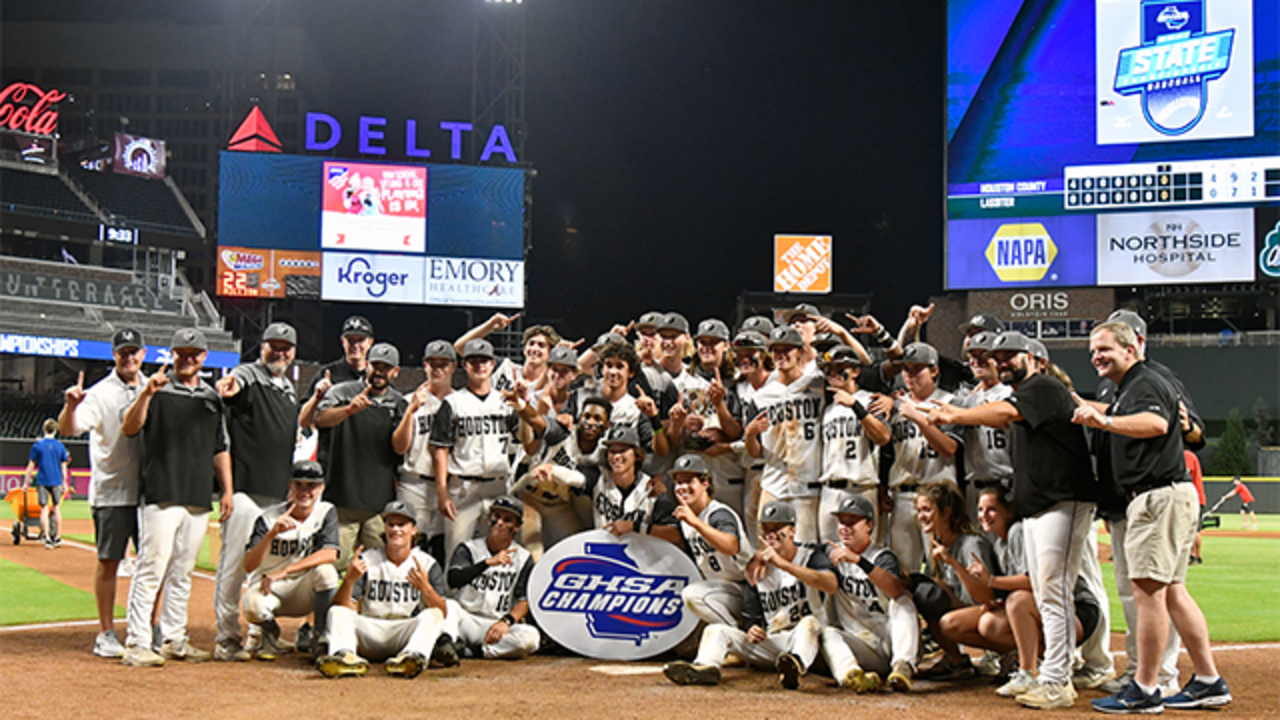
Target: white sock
1207,679
1150,690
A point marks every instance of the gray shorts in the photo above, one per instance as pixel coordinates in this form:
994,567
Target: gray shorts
49,494
113,528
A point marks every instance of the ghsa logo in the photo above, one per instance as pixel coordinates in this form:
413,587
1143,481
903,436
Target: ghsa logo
619,600
1173,63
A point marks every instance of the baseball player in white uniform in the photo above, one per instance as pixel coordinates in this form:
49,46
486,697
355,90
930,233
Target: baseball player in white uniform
490,579
923,453
875,630
986,449
851,439
290,558
622,495
782,611
390,605
716,539
412,438
473,438
754,368
786,432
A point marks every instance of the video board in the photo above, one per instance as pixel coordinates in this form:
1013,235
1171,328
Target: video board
1111,142
297,226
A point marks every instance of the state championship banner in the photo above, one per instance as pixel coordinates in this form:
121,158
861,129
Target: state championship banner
802,263
613,598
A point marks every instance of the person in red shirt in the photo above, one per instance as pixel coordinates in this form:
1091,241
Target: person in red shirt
1246,507
1197,477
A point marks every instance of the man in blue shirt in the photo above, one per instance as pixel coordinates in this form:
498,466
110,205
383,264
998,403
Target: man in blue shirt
49,461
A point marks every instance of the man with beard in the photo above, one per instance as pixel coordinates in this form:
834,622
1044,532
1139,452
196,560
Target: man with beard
114,459
362,460
262,421
184,438
1054,492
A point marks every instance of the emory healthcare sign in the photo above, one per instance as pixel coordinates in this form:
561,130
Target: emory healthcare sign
802,263
613,598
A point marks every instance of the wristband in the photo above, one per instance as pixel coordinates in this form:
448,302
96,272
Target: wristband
866,565
508,619
859,410
659,429
883,338
1108,422
348,411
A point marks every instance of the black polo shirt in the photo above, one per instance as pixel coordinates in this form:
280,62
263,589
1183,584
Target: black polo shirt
185,428
1051,462
361,473
262,420
339,372
1143,461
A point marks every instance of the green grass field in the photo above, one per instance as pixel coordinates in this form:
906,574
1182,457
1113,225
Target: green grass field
1236,573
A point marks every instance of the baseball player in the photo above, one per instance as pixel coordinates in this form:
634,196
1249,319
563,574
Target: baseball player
710,412
1146,460
923,453
875,630
412,438
262,422
181,421
619,366
114,460
390,605
754,367
49,462
782,610
787,432
536,342
490,580
555,396
472,440
622,494
851,438
290,559
363,463
715,538
986,449
553,480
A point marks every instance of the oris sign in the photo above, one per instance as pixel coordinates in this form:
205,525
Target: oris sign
1046,304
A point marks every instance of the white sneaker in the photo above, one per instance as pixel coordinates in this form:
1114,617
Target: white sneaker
1091,678
1048,697
229,650
1019,682
183,650
126,567
107,645
989,665
137,656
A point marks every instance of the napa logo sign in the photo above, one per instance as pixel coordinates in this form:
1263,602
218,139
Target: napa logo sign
1172,66
1021,252
613,597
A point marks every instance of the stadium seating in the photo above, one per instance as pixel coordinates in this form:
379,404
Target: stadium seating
38,193
138,201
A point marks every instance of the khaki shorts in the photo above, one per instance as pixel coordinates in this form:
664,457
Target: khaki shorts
1161,524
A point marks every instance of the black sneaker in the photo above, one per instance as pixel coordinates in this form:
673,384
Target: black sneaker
789,670
1197,694
304,638
444,655
1130,701
681,672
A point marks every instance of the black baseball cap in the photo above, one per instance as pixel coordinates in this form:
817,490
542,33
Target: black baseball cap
712,328
308,471
856,505
509,504
439,350
801,310
981,322
189,338
920,353
674,321
778,511
1132,319
126,337
280,331
400,507
357,325
690,463
385,353
477,348
561,355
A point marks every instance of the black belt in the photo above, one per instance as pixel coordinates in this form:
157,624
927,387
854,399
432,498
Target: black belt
815,485
913,487
984,484
1148,486
472,478
853,484
735,481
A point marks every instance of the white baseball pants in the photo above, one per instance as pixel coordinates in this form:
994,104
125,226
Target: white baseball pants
230,578
720,640
291,597
377,639
1055,542
169,537
862,647
715,601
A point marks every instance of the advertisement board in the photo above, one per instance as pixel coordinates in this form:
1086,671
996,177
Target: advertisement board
1176,247
140,156
613,598
802,263
1020,252
48,346
372,277
255,272
374,207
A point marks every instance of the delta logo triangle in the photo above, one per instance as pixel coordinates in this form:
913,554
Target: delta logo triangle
255,134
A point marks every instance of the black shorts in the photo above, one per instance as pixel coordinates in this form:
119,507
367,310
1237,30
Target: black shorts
1089,616
1247,507
49,494
113,528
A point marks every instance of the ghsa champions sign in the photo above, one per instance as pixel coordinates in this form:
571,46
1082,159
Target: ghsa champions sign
613,598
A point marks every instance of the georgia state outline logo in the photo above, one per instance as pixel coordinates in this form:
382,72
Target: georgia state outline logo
619,600
1176,59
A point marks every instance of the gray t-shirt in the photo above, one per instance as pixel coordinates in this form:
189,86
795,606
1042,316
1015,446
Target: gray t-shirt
964,549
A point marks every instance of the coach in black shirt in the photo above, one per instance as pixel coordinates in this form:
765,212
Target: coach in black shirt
357,339
362,465
1162,516
184,446
262,420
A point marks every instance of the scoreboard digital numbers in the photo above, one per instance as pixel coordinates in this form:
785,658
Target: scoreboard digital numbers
1195,182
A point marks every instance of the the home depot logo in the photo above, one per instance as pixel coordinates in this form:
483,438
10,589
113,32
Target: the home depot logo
802,263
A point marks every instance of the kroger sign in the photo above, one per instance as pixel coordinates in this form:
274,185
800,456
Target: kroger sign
614,598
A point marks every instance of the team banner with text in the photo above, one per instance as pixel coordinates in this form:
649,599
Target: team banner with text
1176,247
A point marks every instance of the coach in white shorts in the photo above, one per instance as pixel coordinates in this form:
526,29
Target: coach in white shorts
390,605
290,559
114,459
490,577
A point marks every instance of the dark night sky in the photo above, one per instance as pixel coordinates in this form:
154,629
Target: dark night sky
677,137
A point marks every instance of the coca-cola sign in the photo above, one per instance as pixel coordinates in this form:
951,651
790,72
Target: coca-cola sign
24,107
